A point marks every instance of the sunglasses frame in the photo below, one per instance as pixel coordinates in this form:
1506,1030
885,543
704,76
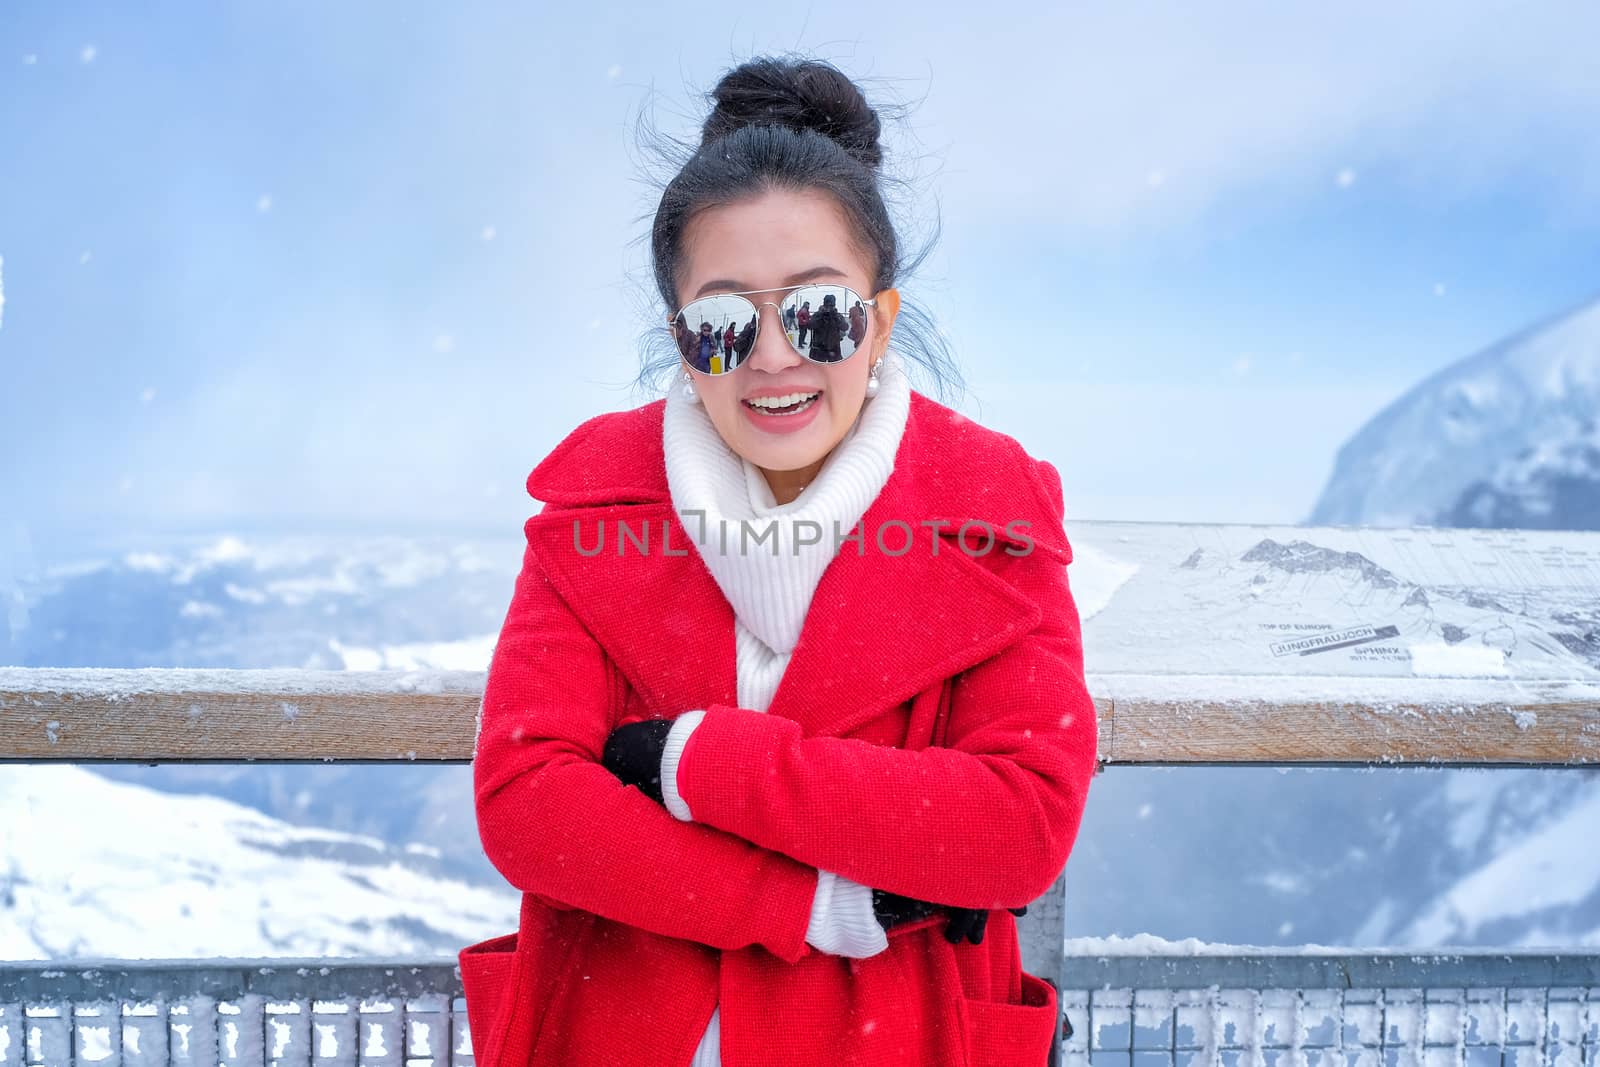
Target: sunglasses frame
672,319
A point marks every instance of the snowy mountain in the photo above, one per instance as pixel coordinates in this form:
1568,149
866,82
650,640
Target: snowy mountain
149,874
1509,437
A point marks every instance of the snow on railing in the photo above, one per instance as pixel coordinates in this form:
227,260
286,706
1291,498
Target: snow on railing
174,715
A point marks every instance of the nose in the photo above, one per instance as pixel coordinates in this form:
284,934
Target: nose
772,351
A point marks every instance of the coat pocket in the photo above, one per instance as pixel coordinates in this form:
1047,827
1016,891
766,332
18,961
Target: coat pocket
1000,1034
507,980
488,971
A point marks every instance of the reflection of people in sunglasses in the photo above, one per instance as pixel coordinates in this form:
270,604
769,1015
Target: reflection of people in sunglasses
706,350
741,345
858,324
685,336
827,330
680,825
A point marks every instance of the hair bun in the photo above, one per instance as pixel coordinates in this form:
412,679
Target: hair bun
800,94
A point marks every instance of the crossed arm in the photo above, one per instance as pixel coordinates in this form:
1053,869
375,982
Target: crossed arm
556,823
986,822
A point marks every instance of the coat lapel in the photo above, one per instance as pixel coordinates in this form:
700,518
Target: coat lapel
660,616
881,627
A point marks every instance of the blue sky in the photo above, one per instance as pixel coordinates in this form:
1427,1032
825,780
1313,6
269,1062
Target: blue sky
358,265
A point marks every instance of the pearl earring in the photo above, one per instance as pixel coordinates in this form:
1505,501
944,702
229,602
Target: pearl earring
872,381
688,389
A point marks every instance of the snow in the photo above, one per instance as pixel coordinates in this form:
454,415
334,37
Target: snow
1096,577
1154,946
1191,693
1543,868
1151,945
153,875
123,684
468,654
385,563
1438,658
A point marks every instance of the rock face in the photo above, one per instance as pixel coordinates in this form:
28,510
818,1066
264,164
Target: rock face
1509,437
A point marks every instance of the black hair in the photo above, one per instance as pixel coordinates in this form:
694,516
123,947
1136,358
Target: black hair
789,123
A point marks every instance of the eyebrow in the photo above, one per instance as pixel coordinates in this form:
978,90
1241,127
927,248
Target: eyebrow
729,285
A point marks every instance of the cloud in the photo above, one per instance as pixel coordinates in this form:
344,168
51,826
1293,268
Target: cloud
1064,122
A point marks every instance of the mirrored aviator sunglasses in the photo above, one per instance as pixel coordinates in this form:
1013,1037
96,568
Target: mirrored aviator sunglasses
823,323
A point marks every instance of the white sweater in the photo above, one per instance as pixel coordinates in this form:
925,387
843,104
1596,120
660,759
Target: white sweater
714,491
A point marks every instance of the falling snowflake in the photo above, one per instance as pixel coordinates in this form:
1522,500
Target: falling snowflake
487,233
1345,178
87,53
264,203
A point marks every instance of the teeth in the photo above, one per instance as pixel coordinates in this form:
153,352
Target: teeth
787,400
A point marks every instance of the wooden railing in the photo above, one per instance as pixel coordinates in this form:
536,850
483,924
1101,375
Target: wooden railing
156,716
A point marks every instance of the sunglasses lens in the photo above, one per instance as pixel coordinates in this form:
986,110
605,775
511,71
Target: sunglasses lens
715,333
830,322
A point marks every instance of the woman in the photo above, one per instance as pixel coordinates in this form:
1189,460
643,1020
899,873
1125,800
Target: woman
787,718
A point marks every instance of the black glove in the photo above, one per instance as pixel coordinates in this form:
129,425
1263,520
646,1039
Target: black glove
968,924
892,909
633,754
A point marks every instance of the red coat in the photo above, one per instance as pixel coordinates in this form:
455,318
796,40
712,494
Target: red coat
931,736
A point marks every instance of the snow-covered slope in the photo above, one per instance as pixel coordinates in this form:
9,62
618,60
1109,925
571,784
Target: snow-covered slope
1539,882
1509,437
146,874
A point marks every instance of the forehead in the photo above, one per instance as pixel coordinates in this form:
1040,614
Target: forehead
765,241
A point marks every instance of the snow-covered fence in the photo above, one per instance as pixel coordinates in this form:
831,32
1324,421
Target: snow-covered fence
1144,1003
1133,1003
217,1013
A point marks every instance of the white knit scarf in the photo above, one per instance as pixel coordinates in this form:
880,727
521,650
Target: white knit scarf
725,505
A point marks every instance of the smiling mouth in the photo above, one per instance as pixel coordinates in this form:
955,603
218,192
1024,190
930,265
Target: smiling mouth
788,404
